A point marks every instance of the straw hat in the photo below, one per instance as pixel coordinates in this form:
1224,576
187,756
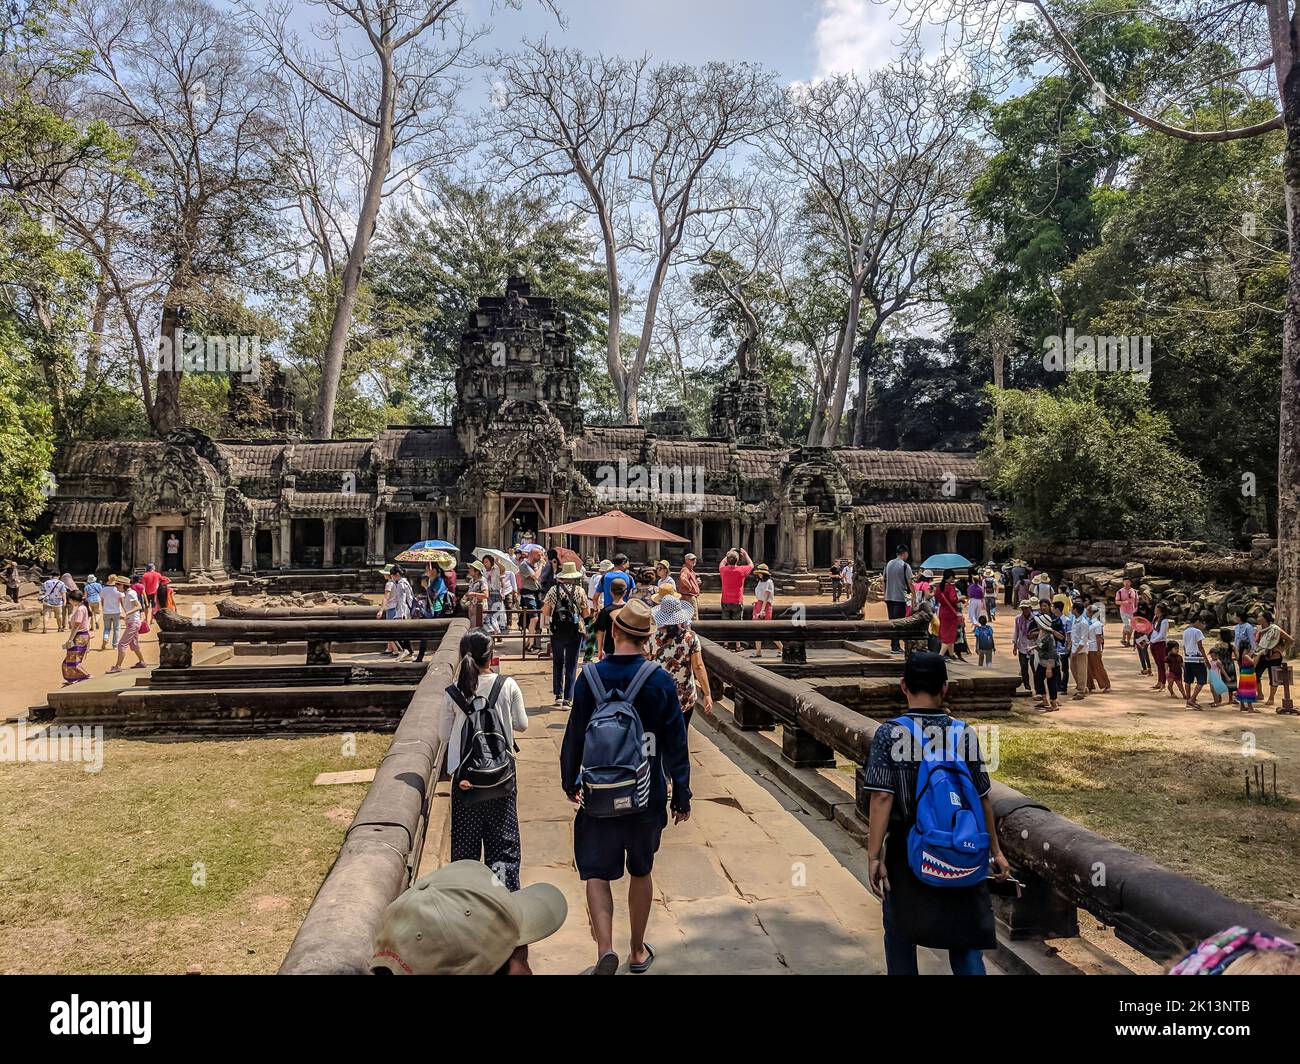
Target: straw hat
477,566
672,610
762,570
635,619
443,560
569,571
1027,604
606,566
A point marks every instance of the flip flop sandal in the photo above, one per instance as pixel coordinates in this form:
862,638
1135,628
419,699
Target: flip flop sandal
607,965
644,966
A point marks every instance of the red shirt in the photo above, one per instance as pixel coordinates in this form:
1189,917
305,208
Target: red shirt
149,579
733,582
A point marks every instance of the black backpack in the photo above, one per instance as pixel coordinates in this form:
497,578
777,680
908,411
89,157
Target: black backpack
566,618
487,755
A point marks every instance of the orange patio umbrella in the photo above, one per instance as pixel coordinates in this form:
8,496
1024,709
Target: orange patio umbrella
616,525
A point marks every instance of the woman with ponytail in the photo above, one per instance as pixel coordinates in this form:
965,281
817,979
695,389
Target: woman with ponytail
484,820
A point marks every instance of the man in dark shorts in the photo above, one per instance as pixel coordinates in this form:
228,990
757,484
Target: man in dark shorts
604,846
958,919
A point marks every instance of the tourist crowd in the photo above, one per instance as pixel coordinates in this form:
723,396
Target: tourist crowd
1060,633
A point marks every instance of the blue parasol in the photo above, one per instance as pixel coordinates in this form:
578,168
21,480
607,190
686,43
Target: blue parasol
939,562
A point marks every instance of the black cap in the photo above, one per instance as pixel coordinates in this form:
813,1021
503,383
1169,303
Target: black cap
925,673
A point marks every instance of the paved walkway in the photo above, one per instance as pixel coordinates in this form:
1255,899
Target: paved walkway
745,886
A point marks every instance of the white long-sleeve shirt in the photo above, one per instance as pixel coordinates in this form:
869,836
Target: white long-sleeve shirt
509,710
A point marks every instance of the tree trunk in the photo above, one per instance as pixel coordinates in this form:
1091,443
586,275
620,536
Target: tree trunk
614,332
843,369
999,376
332,361
95,342
632,379
1288,452
167,388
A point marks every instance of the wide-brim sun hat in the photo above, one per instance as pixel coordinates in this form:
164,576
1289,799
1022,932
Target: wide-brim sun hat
606,566
569,571
673,611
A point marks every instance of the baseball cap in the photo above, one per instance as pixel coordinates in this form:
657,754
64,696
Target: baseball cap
461,920
924,672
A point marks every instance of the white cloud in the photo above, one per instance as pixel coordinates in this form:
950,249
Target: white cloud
854,36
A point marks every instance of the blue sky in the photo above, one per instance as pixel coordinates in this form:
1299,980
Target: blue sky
799,39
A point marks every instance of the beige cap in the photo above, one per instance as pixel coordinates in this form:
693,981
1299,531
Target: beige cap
461,920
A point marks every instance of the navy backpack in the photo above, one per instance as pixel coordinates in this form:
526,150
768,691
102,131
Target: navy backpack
615,774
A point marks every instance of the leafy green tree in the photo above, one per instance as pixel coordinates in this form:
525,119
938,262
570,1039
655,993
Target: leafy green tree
1070,469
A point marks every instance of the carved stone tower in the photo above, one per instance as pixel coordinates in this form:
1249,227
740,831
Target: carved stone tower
516,363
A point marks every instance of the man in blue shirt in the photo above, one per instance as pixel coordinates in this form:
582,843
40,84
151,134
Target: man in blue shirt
619,572
604,846
93,588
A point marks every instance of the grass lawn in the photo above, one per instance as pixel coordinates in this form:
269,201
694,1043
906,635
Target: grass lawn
1185,809
173,854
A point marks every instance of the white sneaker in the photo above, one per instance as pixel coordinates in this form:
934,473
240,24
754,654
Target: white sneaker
405,655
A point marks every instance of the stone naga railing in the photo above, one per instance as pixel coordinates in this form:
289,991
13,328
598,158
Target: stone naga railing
1065,866
177,636
380,854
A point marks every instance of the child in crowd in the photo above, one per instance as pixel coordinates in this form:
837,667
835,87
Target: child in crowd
1174,664
1223,663
984,643
1247,682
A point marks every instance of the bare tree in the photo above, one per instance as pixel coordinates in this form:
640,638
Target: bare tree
394,68
881,164
738,252
1259,43
171,76
644,149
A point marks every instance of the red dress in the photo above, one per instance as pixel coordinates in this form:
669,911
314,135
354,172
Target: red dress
946,595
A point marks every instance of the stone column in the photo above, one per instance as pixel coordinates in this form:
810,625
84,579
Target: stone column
952,541
249,560
917,558
878,558
328,559
735,534
286,543
101,551
424,525
490,519
377,523
697,537
801,534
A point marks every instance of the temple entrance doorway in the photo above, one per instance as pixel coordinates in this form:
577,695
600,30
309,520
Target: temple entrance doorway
970,545
307,542
78,554
523,513
350,535
263,549
235,550
822,540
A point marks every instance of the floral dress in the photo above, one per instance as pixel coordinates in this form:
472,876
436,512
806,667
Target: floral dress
674,654
77,645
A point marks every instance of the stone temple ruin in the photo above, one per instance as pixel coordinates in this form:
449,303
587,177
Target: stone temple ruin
517,457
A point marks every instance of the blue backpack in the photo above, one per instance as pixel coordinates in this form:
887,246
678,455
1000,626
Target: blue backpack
615,774
948,846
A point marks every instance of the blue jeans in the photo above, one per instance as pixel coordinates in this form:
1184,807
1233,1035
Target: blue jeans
900,955
564,665
112,623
